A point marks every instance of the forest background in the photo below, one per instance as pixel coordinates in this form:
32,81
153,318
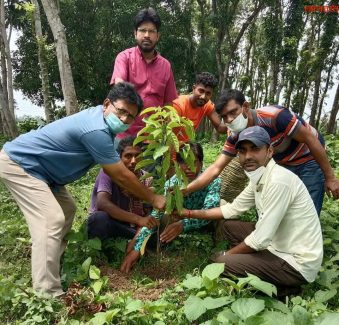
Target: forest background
275,51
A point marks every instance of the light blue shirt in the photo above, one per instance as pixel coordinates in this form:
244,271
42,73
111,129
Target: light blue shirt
63,151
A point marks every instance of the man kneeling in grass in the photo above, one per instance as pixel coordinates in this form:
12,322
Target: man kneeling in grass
285,245
114,211
205,198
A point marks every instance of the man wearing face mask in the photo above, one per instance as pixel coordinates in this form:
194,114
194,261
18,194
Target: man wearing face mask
36,166
297,145
285,245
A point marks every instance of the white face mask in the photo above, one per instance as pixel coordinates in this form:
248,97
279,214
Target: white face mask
238,124
255,175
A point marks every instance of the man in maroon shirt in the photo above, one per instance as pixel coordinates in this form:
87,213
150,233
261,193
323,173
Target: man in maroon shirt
145,68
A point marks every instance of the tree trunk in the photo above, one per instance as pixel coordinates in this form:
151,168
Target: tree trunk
48,105
315,97
6,80
58,30
329,74
335,107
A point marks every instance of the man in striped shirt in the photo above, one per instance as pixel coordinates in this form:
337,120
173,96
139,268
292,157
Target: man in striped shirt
297,145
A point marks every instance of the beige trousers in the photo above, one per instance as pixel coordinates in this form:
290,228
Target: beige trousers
49,215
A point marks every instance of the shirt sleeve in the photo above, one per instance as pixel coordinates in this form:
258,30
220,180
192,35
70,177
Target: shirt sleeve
171,90
144,232
210,109
229,146
120,69
275,205
104,182
100,146
211,200
243,202
287,122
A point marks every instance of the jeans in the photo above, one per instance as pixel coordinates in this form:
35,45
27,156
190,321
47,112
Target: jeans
313,178
101,225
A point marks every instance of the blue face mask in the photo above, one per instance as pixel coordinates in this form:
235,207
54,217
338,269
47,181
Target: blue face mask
115,124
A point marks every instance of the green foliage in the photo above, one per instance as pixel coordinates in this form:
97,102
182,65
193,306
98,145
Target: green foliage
29,123
163,143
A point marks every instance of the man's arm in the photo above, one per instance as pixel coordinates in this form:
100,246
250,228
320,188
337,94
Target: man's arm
304,135
127,180
217,123
104,203
211,173
120,70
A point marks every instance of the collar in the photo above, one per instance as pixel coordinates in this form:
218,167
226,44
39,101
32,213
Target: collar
142,57
266,175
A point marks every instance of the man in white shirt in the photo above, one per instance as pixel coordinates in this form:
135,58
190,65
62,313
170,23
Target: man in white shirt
285,245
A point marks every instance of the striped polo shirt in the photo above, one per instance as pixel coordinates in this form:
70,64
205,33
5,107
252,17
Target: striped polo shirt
281,124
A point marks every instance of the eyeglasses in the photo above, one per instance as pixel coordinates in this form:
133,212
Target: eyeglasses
122,112
145,31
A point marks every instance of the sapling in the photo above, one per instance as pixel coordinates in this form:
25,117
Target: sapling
162,145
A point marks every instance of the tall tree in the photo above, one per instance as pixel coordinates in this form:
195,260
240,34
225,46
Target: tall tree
329,32
52,12
333,116
41,41
6,91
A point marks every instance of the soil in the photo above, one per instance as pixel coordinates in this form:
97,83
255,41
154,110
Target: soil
162,274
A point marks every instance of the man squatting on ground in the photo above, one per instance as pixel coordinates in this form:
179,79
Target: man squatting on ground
285,245
114,211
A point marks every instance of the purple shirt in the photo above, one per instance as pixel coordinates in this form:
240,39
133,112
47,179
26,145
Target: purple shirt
153,81
103,183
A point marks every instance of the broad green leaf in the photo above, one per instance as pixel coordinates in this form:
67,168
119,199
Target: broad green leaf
173,124
192,282
301,315
97,285
166,164
175,142
211,322
139,139
276,304
179,200
169,203
133,305
276,318
148,110
94,272
213,303
160,151
327,277
94,243
324,295
86,264
212,271
328,319
247,307
194,308
263,286
143,163
104,317
227,317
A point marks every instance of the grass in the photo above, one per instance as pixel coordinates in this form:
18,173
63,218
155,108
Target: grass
151,283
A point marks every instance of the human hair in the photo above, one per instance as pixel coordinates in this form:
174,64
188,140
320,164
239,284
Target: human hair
227,95
148,14
127,142
127,92
197,150
207,79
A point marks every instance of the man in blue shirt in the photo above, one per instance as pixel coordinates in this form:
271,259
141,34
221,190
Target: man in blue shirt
36,166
